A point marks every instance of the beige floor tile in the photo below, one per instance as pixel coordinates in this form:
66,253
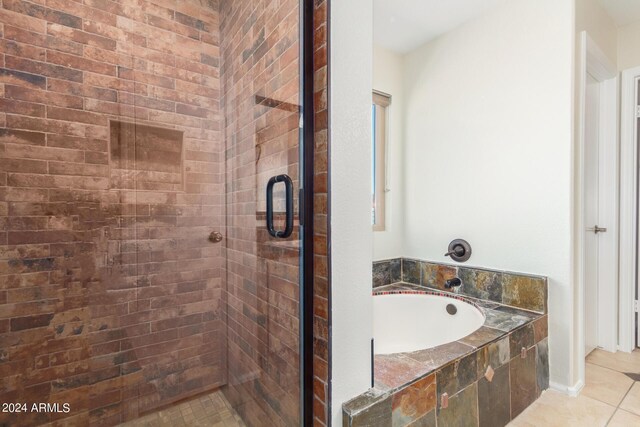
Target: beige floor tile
554,409
605,385
621,362
631,402
624,419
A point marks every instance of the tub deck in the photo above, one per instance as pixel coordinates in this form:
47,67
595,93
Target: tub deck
392,371
505,360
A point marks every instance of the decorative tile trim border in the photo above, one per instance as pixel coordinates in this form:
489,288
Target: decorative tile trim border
484,385
429,292
524,291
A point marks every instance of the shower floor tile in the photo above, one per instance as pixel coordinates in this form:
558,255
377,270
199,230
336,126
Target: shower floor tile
212,410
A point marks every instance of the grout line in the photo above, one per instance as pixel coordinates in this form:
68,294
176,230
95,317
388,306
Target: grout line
625,395
611,417
617,408
603,366
610,369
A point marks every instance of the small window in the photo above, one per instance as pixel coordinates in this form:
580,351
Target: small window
381,102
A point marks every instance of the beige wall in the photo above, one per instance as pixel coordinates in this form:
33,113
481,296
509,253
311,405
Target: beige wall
593,19
620,44
629,46
351,80
487,134
387,77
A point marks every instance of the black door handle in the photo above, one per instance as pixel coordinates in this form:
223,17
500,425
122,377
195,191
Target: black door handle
288,185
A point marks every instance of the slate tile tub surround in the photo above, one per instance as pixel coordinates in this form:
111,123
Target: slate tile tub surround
484,379
515,289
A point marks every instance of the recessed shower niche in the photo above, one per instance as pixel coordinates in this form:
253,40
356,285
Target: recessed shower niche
145,157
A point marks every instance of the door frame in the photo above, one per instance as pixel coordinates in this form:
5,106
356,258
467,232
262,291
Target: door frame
306,211
628,209
593,61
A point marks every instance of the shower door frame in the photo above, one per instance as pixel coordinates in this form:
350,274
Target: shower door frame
306,211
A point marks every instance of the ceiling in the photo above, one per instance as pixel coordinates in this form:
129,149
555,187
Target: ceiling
403,25
623,12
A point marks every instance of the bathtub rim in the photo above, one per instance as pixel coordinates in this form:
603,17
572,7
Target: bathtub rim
437,293
535,330
486,306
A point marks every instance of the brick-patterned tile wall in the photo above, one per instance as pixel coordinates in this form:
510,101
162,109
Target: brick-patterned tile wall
110,293
321,285
260,58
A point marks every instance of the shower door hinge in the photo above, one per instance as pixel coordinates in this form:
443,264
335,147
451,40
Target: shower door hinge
638,111
635,306
301,121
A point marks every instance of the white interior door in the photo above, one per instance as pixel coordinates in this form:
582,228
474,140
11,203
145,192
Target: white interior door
591,203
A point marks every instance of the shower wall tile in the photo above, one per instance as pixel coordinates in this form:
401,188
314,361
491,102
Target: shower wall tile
110,293
513,289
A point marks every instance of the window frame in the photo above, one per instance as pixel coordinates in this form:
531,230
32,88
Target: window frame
380,116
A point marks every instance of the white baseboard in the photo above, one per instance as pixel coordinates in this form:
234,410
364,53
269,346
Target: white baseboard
572,391
625,349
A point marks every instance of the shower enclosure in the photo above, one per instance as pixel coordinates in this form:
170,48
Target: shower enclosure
143,263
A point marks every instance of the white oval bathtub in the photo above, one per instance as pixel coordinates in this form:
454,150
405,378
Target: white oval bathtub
410,322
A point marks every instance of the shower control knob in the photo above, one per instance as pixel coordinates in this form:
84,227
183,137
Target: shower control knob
459,250
215,237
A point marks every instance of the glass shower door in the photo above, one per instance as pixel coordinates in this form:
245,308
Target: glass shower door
140,281
261,99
